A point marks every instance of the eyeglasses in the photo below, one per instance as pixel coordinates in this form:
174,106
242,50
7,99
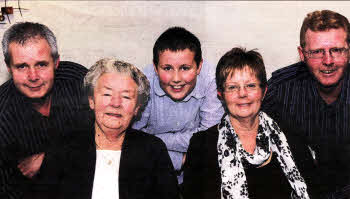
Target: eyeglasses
234,88
319,53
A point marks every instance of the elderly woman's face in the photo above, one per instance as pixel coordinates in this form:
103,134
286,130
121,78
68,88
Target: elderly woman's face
114,101
243,94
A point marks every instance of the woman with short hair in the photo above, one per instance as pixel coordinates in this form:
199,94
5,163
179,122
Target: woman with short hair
246,155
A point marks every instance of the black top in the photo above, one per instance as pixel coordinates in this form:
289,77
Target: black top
202,177
24,131
292,99
145,169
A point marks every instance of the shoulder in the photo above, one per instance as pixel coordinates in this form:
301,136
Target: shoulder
206,137
294,72
7,92
70,71
143,139
206,75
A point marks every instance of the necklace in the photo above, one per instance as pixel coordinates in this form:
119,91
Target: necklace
108,156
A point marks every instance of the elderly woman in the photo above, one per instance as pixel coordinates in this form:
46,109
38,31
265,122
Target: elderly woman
108,159
246,155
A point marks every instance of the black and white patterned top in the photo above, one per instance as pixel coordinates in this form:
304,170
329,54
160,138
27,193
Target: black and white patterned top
233,158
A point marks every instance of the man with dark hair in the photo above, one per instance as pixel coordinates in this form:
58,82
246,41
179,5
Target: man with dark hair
312,97
40,100
183,97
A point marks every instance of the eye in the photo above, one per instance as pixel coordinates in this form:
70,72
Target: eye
167,68
316,52
42,64
185,68
231,88
106,94
336,50
126,97
21,66
251,86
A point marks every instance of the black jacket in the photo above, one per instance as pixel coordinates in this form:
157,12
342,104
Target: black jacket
145,168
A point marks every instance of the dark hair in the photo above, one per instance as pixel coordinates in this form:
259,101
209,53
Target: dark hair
24,31
322,21
175,39
238,58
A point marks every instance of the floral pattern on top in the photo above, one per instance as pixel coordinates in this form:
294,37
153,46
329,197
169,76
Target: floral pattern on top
233,158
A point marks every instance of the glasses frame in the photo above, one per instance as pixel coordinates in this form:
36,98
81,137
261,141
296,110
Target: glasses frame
310,54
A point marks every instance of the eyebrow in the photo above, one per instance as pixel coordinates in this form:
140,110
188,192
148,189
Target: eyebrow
123,91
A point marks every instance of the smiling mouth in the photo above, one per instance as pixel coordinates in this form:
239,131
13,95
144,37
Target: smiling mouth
177,87
244,105
34,88
328,71
114,115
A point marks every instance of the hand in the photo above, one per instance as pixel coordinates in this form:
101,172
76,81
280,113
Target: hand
30,166
183,160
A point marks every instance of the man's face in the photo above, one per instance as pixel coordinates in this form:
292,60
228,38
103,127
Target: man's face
177,72
327,70
32,67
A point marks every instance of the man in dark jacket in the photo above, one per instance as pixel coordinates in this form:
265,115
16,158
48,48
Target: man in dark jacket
37,103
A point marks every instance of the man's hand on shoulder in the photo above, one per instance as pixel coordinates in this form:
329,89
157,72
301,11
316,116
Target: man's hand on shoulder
30,166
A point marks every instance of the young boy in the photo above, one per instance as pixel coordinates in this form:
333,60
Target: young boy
183,98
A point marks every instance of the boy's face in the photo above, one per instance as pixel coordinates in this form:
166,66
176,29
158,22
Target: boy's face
177,72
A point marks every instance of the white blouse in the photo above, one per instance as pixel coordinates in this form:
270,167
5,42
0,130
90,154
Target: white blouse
106,183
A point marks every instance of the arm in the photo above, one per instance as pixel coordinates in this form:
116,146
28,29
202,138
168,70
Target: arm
166,186
8,178
210,114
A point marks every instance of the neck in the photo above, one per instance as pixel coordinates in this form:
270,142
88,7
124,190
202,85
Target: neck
108,140
43,106
245,124
247,130
330,94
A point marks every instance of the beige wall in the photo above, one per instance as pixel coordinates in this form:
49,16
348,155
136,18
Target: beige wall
89,30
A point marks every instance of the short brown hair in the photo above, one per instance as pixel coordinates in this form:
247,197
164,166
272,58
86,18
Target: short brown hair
322,21
238,58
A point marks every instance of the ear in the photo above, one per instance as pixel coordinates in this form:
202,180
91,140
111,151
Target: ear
220,94
91,103
9,69
57,62
199,67
155,69
301,54
264,93
136,110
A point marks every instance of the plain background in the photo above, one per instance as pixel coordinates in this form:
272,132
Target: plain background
90,30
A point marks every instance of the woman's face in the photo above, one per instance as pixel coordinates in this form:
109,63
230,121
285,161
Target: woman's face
242,94
114,102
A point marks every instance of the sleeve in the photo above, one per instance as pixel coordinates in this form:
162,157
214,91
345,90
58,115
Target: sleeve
8,184
211,112
193,170
142,122
269,104
166,186
9,174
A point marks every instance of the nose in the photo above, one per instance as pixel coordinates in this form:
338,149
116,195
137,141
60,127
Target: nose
116,101
33,74
327,59
176,77
242,92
